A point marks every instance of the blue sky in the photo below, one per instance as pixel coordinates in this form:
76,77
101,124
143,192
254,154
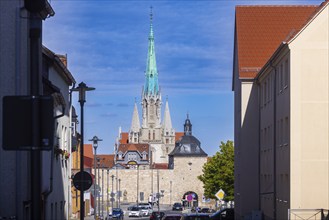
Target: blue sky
106,42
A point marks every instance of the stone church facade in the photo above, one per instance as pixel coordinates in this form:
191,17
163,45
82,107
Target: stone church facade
152,159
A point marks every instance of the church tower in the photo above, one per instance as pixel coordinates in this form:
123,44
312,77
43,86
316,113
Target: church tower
151,97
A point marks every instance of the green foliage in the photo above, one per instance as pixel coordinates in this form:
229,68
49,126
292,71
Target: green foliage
218,172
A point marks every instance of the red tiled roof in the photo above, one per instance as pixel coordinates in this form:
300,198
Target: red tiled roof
106,160
124,138
88,156
160,166
134,147
261,29
178,135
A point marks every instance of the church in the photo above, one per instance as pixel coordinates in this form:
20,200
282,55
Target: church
152,158
153,138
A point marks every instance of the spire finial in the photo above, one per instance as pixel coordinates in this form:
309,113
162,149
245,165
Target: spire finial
151,13
187,114
167,98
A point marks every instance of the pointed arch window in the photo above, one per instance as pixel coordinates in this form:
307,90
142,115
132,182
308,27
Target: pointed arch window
153,135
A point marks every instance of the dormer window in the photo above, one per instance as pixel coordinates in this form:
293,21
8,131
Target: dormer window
144,155
120,156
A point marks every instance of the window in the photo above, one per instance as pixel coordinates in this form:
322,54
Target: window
149,135
167,141
153,135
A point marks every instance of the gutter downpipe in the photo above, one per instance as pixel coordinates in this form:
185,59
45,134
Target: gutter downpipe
18,154
259,143
274,140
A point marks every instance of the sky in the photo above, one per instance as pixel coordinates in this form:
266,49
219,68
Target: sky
106,43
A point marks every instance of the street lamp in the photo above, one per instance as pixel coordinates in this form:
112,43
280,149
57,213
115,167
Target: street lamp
137,184
82,88
102,190
119,193
99,204
170,192
95,140
112,194
107,194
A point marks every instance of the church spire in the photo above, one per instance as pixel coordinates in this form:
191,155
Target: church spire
187,126
135,125
151,86
167,126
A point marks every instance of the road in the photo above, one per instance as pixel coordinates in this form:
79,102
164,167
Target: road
164,208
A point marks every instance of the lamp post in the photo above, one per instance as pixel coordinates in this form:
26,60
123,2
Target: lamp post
107,194
119,193
170,192
95,140
82,88
137,185
102,190
112,194
99,205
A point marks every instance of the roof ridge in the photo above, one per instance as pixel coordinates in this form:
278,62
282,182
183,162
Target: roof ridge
275,6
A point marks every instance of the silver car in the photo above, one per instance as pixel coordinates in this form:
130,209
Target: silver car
135,212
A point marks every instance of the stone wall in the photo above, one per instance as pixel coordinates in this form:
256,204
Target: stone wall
175,183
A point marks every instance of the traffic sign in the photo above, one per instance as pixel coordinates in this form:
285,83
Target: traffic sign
220,194
189,197
87,181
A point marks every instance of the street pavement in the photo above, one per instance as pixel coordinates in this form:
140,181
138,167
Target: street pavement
164,208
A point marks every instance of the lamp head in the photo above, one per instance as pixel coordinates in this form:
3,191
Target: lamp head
82,88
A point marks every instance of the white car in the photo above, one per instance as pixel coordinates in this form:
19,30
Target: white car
146,210
135,212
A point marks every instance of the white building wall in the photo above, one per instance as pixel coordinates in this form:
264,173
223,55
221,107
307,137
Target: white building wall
14,166
309,115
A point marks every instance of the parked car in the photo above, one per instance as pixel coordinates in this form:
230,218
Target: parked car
117,213
195,216
146,209
155,215
206,210
135,212
177,206
172,216
224,214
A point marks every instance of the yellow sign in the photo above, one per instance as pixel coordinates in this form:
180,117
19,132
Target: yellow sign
220,194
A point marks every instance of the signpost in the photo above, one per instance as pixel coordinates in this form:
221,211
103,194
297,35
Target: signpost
87,181
220,194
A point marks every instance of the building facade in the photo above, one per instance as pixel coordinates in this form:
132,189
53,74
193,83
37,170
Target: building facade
280,82
157,133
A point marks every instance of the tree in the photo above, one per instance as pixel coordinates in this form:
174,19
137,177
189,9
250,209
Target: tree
218,172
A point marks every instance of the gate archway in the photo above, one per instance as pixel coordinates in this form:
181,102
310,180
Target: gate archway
190,199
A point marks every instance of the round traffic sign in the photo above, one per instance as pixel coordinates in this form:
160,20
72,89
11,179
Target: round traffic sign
85,184
189,197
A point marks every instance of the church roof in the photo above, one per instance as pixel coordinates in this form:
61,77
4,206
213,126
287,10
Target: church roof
151,74
188,145
259,30
178,135
135,124
124,138
167,125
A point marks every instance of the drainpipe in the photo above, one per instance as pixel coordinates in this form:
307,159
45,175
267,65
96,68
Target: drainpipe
274,141
18,194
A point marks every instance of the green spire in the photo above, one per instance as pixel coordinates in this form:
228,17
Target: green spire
151,75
